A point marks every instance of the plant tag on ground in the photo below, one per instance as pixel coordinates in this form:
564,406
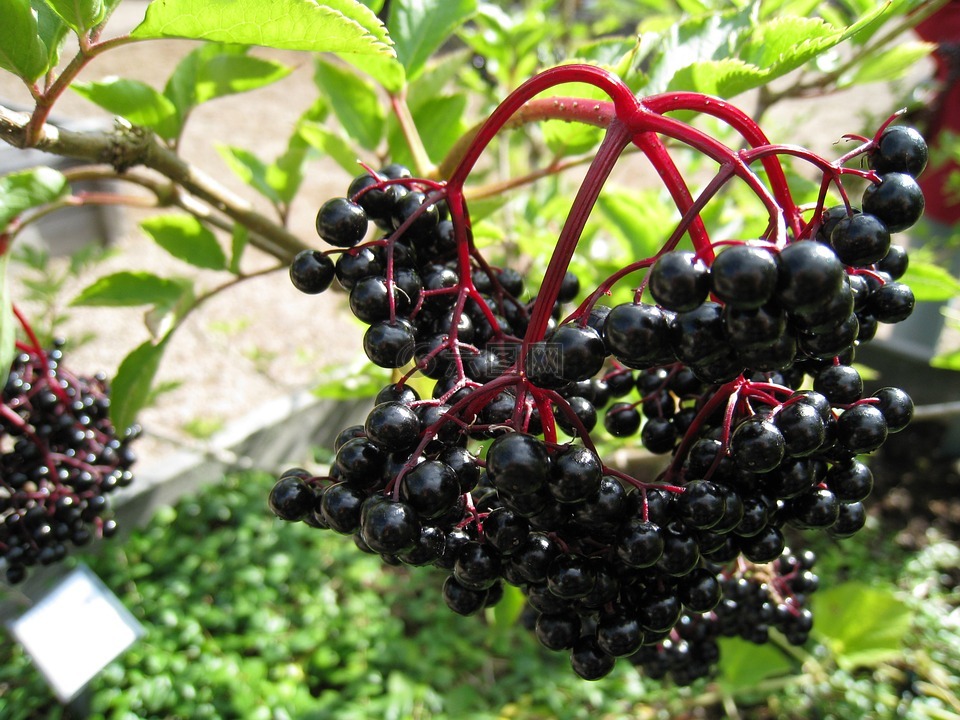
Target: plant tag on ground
75,631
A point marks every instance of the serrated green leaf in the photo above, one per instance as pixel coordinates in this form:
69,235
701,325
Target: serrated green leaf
238,243
130,388
185,237
354,101
931,282
724,78
863,625
249,168
129,289
80,15
21,50
333,26
420,27
134,100
787,40
744,664
329,143
8,329
699,39
53,31
889,63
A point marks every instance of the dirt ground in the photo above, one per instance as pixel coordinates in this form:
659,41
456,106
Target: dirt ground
263,337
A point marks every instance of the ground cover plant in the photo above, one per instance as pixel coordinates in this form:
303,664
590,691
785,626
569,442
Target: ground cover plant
523,322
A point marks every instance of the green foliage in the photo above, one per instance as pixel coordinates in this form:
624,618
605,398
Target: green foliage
134,100
187,239
130,389
419,27
337,26
79,15
28,189
22,51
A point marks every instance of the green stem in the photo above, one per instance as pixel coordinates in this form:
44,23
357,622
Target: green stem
421,161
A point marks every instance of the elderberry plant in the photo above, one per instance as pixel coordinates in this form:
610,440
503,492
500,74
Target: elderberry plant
733,361
60,459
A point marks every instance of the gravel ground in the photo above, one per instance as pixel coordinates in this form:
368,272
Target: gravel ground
262,337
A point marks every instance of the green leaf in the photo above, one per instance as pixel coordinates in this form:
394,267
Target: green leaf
351,381
440,123
333,26
232,74
641,218
889,63
80,15
385,69
26,189
419,27
930,282
185,237
53,31
8,328
129,289
134,100
354,101
507,611
130,388
864,626
329,143
21,50
238,243
744,664
249,168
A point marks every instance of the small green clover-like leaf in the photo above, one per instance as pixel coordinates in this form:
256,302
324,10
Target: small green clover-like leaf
22,51
130,388
80,15
185,237
134,100
419,27
26,189
864,626
744,664
332,26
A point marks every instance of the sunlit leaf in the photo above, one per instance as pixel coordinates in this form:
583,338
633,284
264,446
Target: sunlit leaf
331,26
80,15
184,237
420,27
130,388
134,100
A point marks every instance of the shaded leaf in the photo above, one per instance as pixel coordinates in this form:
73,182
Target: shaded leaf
26,189
931,282
419,27
21,50
134,100
53,31
130,388
863,625
185,237
238,243
351,381
129,289
328,142
744,664
354,101
80,15
333,26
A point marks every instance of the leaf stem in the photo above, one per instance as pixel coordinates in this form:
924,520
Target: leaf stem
421,161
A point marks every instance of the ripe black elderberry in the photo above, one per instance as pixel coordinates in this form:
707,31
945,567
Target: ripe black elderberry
704,358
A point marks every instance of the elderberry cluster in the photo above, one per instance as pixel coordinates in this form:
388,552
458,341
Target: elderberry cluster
734,361
60,458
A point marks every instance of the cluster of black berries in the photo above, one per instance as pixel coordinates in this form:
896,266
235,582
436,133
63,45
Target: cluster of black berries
737,367
60,458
